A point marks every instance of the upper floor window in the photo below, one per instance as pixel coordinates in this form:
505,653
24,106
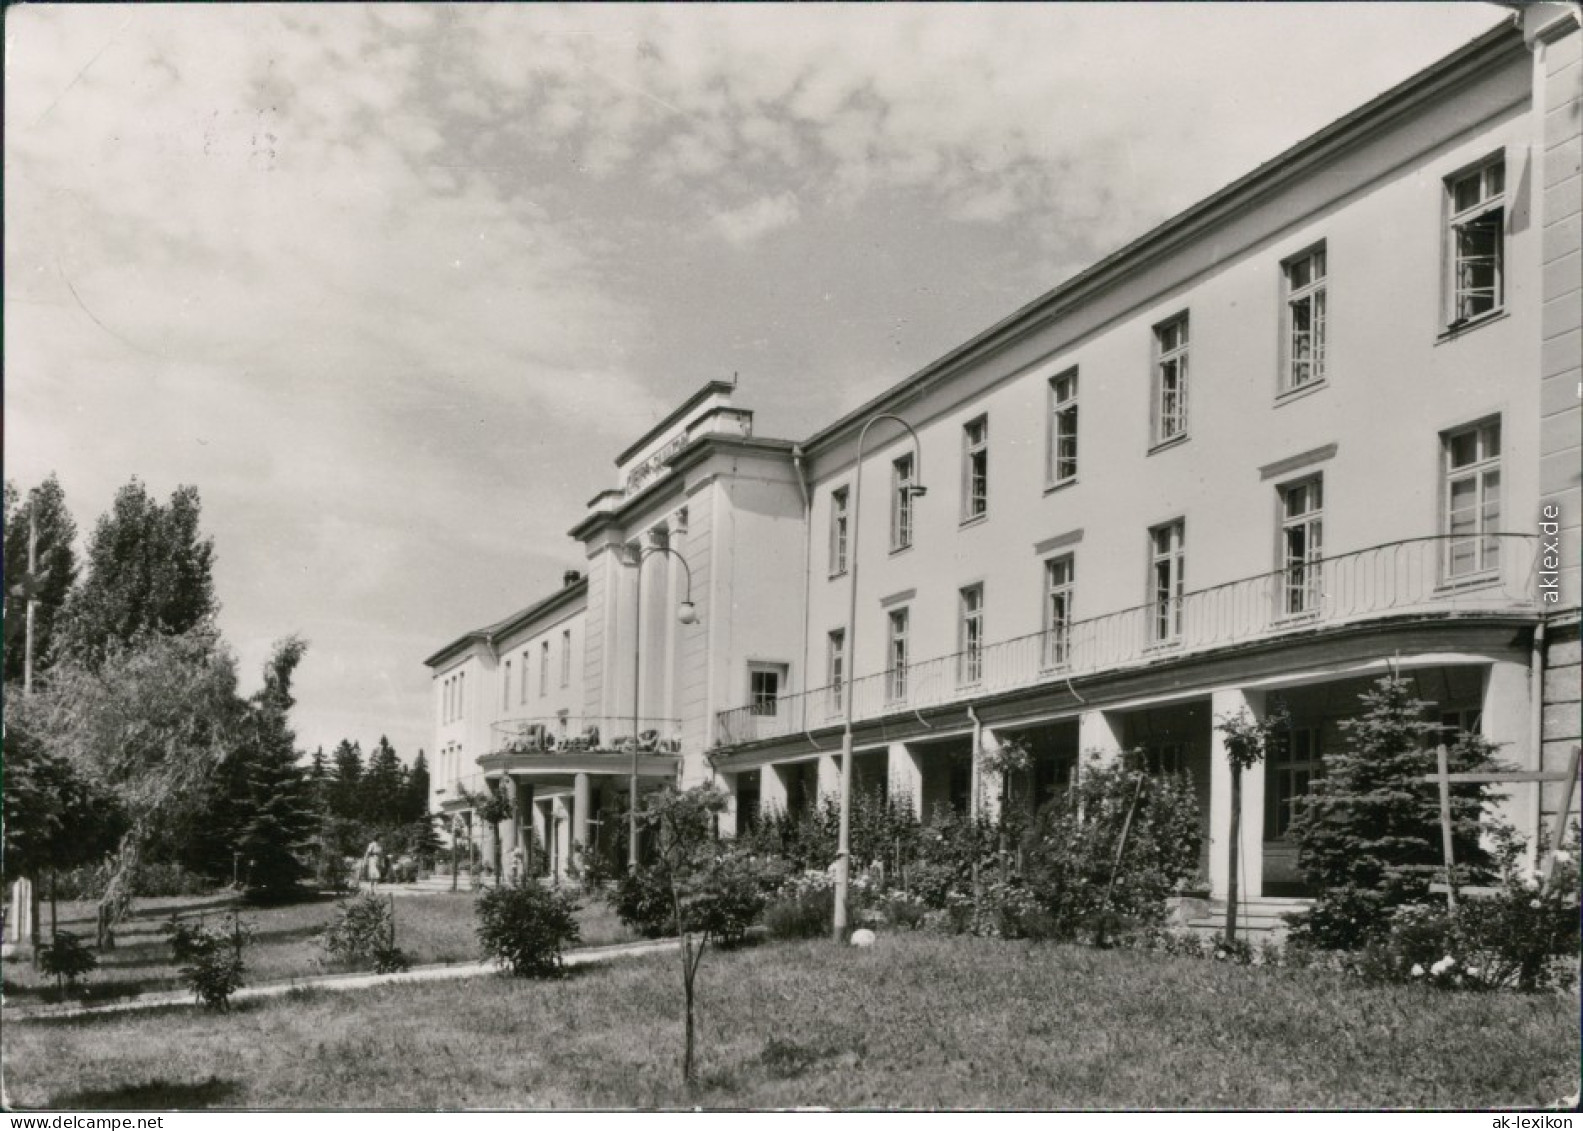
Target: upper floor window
837,669
523,695
1473,499
1170,379
896,672
1060,586
901,493
1061,463
764,688
505,688
1169,558
975,468
544,669
1476,240
970,636
1302,545
838,530
1305,320
566,658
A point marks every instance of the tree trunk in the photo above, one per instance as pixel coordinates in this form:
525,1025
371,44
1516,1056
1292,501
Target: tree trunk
688,970
1233,850
117,896
456,856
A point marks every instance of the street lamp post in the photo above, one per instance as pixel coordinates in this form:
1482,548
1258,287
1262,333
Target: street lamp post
844,837
686,613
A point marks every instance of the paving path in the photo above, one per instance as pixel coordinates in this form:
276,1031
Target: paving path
580,957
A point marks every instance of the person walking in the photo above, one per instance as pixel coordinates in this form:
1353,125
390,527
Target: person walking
373,865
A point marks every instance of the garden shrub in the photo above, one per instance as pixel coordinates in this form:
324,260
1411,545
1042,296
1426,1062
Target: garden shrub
803,906
67,959
1369,832
1069,852
363,933
526,927
642,900
214,958
152,881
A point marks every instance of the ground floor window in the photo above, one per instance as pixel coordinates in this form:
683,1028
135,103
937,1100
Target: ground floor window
1292,767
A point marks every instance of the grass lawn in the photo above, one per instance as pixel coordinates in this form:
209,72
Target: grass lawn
431,927
918,1021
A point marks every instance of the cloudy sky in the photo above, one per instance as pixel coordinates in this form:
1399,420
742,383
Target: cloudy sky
393,285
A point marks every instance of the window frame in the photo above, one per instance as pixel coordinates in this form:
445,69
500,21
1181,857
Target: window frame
566,657
970,635
1287,766
1061,425
756,701
505,688
1315,296
840,529
975,469
1060,596
1484,466
1305,529
544,668
835,669
1490,203
527,655
902,471
1173,359
898,627
1166,614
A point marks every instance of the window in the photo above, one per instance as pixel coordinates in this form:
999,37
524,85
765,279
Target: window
1305,320
764,689
970,636
1459,724
566,658
901,473
1473,500
896,672
1294,763
837,669
523,696
1060,581
1476,251
975,469
461,694
544,669
838,529
1062,459
1168,560
1166,758
1170,380
1302,546
505,688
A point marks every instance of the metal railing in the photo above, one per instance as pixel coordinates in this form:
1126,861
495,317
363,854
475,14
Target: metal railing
1394,579
603,733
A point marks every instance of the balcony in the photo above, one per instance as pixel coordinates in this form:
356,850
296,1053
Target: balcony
604,734
1424,577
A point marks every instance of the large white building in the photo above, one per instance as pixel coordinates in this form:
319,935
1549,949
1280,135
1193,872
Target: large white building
1311,429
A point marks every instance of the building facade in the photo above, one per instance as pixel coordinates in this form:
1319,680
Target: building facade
1321,426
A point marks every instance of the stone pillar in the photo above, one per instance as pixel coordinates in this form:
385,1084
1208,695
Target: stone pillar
906,776
560,820
1507,720
772,790
730,822
989,784
830,774
580,804
508,827
1251,863
543,829
486,845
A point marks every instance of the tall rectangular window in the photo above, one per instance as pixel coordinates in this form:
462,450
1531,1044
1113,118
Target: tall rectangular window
970,635
1060,585
544,669
1061,462
523,695
764,689
1295,761
1302,545
1168,560
1476,241
461,695
1473,500
975,468
901,473
838,530
836,669
896,655
505,688
1170,379
566,657
1305,320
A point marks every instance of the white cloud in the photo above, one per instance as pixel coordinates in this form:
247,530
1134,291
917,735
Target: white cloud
755,220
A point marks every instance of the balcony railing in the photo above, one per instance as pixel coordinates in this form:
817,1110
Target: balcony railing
590,733
1423,576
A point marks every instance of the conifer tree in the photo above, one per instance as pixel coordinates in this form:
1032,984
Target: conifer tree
382,782
415,791
346,788
278,820
1369,832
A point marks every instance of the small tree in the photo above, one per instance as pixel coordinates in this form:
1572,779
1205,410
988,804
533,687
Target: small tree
706,881
492,806
1369,834
1248,742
